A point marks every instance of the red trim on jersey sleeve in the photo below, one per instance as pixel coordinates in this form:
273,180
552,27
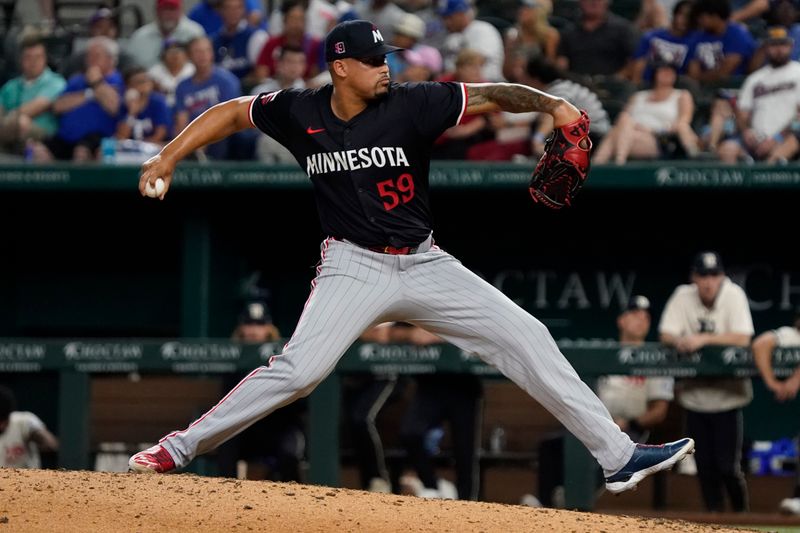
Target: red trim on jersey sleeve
464,100
250,111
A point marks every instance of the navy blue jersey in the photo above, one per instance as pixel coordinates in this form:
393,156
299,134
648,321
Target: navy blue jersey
370,174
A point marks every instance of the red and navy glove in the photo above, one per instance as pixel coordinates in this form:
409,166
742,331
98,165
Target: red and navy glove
564,165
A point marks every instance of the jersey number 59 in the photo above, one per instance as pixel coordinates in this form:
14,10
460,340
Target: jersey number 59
389,189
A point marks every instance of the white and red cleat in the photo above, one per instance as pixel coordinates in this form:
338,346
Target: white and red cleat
155,460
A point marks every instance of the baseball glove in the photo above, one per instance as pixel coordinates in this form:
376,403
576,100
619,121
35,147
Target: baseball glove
564,165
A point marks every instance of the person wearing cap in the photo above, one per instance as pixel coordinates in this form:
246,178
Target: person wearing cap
425,61
784,389
385,14
712,310
146,43
721,48
465,31
637,404
767,106
365,144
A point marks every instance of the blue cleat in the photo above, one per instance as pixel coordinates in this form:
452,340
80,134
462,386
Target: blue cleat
648,459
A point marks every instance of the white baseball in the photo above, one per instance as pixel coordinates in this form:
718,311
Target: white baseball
157,191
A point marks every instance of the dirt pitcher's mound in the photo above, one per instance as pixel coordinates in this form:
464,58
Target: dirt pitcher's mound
46,500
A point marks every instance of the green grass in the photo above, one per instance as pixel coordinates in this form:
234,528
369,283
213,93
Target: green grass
774,529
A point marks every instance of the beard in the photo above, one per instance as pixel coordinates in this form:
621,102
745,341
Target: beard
776,62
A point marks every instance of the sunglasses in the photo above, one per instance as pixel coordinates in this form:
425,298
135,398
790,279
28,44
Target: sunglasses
373,61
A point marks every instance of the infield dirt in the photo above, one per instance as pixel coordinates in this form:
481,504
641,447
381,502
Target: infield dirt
79,501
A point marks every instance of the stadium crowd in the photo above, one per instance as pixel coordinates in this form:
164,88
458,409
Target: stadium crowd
708,79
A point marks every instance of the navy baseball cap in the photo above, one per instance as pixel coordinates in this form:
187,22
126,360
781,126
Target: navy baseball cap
355,38
707,263
638,302
255,312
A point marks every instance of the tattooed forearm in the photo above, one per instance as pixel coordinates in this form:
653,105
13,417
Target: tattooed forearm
511,97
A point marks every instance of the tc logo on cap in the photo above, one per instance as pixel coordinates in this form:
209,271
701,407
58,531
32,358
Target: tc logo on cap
339,47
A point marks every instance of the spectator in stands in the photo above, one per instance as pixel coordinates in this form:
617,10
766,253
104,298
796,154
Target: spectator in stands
722,48
636,404
288,75
531,37
464,31
237,44
473,129
88,109
145,113
767,105
22,435
146,43
785,390
665,45
385,14
712,310
600,43
652,16
207,14
173,68
407,35
102,24
546,76
656,123
294,35
209,86
321,17
25,101
422,64
784,13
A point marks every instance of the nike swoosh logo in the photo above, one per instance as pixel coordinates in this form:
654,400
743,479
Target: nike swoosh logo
312,131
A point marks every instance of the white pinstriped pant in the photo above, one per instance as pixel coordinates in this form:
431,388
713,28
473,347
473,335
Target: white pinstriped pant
356,288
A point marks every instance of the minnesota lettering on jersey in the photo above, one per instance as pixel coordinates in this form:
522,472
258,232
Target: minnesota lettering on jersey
324,162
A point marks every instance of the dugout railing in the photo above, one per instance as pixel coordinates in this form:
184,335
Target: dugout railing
76,360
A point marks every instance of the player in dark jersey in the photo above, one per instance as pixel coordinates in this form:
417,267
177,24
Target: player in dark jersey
365,144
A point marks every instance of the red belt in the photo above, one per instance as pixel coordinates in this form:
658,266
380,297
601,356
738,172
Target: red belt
391,250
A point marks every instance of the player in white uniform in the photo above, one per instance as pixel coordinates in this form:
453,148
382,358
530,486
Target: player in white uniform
22,435
712,310
785,390
637,404
366,145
